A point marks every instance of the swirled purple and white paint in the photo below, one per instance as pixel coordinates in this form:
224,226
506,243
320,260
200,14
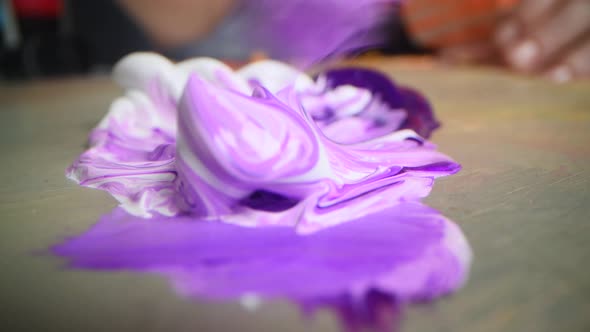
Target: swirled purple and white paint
196,151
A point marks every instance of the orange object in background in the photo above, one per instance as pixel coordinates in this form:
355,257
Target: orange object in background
447,23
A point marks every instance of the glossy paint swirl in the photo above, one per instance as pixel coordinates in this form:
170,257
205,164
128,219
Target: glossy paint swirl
198,138
204,160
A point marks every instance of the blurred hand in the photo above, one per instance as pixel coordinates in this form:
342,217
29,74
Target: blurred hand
549,37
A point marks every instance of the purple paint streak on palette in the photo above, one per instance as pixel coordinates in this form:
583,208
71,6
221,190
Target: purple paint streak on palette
408,252
263,181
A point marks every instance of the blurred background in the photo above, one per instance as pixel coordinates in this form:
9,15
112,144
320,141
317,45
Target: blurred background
43,38
521,198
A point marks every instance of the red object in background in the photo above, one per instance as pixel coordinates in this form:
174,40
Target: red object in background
447,23
38,8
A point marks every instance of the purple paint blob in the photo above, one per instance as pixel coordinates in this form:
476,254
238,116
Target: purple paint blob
407,252
263,181
420,117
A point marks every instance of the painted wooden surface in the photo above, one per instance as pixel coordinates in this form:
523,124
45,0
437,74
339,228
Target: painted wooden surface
523,200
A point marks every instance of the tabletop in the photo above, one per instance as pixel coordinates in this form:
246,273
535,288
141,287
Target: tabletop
522,199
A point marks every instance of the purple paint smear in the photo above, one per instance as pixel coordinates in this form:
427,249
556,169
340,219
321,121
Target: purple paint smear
264,181
408,252
307,31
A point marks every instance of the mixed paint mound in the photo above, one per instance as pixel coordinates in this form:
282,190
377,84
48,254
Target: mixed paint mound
266,181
